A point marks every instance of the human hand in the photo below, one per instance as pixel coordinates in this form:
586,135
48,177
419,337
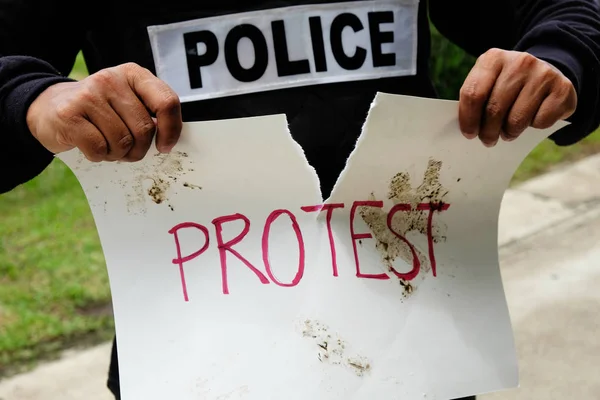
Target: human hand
508,91
109,115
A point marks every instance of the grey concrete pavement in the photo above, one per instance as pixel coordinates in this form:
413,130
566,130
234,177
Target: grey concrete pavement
549,237
552,283
551,278
78,375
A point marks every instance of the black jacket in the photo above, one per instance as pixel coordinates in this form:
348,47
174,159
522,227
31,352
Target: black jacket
39,40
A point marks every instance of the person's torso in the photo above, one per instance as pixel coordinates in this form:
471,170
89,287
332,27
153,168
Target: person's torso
318,62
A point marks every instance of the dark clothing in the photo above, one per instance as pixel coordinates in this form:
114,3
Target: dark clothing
39,41
113,382
325,119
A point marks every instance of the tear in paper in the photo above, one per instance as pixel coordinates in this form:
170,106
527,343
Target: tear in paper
232,278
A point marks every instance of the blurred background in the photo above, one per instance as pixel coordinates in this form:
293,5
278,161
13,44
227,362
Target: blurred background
54,291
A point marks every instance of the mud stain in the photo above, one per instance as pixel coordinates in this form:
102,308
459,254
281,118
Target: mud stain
157,177
332,349
403,222
191,186
407,287
163,172
158,191
361,366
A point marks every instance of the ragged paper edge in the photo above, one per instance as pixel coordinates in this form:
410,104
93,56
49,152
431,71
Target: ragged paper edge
449,113
380,96
79,164
72,156
311,170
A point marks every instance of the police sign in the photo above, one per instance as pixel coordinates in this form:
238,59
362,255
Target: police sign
286,47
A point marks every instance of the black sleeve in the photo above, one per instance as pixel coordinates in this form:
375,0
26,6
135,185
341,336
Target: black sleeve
39,41
565,33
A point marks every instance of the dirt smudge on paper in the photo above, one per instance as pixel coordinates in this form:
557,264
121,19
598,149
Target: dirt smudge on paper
407,287
400,191
163,171
360,365
158,190
332,349
191,186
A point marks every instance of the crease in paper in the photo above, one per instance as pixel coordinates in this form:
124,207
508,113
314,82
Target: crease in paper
286,317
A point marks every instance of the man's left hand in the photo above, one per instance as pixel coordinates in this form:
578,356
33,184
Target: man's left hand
508,91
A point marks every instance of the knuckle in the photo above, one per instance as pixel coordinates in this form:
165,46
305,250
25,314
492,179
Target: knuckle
63,139
548,73
571,105
130,67
493,52
169,102
125,143
543,121
471,95
565,96
144,127
490,58
516,123
87,94
95,151
98,148
493,109
526,61
564,88
133,70
103,78
66,112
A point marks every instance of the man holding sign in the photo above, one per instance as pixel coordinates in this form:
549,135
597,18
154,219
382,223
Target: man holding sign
319,62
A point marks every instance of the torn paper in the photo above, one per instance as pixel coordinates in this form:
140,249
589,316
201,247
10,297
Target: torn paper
232,278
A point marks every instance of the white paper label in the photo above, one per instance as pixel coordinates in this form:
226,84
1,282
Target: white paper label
286,47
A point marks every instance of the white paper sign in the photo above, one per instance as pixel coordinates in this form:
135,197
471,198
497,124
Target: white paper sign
229,283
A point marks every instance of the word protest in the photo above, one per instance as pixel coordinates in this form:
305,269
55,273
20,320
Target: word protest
287,47
247,284
226,246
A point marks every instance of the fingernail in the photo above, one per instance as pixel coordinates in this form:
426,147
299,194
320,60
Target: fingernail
470,136
165,149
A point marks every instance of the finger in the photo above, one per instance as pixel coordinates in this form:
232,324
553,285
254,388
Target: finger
138,121
109,123
550,111
163,102
524,109
560,103
504,93
89,140
474,94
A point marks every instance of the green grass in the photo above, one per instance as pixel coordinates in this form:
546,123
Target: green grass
53,282
54,288
547,156
79,69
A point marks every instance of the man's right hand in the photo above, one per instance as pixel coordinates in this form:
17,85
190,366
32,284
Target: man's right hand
112,115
